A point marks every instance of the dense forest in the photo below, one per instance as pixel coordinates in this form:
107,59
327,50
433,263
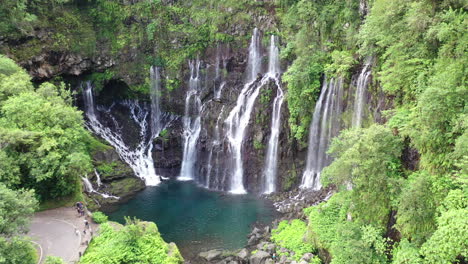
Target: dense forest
399,179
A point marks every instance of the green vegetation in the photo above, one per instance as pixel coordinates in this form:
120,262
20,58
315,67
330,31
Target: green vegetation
99,217
164,34
136,242
369,160
383,211
420,48
16,208
321,37
44,143
290,236
54,260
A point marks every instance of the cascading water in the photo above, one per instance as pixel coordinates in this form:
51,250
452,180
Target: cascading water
140,158
361,87
215,146
90,189
98,178
271,165
191,123
155,94
239,117
325,125
219,82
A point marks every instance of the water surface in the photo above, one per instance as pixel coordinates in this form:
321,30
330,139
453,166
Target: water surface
197,219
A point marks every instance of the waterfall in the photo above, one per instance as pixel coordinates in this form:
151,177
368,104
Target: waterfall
239,117
155,94
361,87
139,158
325,125
87,184
219,82
90,189
191,122
271,165
215,145
98,178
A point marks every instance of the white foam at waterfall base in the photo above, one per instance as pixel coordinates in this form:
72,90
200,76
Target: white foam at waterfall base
191,123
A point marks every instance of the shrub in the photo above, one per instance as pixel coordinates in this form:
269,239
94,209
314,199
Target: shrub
291,236
99,217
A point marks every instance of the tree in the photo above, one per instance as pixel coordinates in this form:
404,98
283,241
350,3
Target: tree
13,79
417,205
16,208
42,137
450,240
406,253
17,250
368,159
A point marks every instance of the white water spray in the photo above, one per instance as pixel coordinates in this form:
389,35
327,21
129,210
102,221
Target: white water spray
239,117
191,122
271,163
325,125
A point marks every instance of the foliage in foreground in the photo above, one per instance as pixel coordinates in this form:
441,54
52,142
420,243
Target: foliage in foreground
42,137
16,208
136,242
17,250
54,260
291,236
99,217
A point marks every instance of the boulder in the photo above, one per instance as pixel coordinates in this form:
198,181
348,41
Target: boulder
266,246
211,255
252,240
259,257
307,257
243,254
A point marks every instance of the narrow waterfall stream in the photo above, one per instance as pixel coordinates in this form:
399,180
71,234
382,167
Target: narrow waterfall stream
214,163
191,123
88,187
325,125
271,163
239,117
359,98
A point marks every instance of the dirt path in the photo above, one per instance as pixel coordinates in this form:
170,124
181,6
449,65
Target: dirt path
55,233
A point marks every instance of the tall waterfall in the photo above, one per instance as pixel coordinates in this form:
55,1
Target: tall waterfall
325,125
139,158
215,149
239,117
270,170
191,123
155,94
361,87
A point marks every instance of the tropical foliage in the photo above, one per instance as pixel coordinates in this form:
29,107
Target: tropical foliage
136,242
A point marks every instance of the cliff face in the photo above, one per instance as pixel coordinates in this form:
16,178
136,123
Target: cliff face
223,66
